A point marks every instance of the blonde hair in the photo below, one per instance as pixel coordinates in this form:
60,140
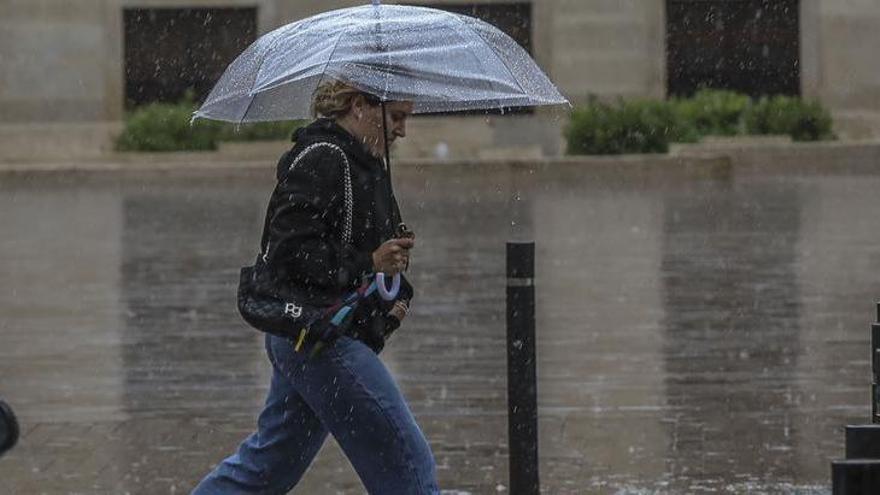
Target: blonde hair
333,99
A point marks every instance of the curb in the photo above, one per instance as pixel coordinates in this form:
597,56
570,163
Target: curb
862,155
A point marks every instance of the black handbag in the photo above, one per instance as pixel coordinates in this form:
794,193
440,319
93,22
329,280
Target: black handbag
271,314
290,318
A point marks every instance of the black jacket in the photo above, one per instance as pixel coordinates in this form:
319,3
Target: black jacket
301,252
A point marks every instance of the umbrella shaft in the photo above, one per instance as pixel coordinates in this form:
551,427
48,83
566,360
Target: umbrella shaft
385,139
387,160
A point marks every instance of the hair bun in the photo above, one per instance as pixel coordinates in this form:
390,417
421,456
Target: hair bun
333,99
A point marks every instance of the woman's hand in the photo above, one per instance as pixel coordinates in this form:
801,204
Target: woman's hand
392,256
400,310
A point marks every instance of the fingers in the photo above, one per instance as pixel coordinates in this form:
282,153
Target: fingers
393,269
393,263
403,243
393,256
402,257
399,310
396,254
398,265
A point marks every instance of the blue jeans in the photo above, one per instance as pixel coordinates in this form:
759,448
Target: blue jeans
347,391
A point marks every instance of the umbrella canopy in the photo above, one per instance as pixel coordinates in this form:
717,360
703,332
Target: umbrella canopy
438,60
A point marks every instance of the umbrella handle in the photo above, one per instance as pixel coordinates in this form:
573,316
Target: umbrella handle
384,292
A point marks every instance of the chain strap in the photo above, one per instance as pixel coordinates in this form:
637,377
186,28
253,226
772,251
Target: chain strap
349,197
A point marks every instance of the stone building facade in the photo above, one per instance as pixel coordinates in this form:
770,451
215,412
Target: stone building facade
63,69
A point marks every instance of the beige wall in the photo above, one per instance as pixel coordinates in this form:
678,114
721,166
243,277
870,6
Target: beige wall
846,41
57,61
850,75
607,47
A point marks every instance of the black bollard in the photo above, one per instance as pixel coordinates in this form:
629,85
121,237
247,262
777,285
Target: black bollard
875,368
859,474
522,402
855,477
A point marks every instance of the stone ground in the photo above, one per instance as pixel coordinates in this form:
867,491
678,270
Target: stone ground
705,335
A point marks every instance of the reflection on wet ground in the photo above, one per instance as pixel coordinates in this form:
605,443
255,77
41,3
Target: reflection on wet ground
701,335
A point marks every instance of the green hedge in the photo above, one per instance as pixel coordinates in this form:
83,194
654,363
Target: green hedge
714,112
648,126
643,126
166,127
803,121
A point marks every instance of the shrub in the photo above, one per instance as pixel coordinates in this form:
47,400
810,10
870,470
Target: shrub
802,120
648,126
166,127
636,126
714,112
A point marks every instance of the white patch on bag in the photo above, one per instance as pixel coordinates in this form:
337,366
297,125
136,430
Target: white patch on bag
293,310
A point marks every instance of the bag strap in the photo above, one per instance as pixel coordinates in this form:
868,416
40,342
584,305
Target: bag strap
349,197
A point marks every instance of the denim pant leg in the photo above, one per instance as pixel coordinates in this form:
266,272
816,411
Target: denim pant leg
356,398
272,459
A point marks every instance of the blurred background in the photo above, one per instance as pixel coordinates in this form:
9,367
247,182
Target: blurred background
703,302
73,69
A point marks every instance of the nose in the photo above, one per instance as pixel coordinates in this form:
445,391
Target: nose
400,129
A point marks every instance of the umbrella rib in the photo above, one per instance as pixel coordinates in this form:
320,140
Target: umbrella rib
491,49
474,55
252,95
333,52
266,55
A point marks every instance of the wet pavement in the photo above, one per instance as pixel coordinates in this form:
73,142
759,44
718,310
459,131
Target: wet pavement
695,335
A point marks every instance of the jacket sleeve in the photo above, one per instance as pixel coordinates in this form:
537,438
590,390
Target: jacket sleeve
406,289
305,226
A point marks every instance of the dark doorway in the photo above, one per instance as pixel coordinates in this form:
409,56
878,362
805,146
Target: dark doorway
750,46
169,52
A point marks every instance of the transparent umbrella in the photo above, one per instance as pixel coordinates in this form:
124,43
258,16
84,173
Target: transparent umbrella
438,60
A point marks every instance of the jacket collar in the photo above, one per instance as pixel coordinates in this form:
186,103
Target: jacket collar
325,129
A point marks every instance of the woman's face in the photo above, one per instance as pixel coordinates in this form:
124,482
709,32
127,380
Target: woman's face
365,123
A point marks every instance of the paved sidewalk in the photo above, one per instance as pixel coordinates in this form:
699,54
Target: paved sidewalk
696,334
161,455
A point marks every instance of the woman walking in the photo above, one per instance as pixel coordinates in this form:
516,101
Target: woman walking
343,390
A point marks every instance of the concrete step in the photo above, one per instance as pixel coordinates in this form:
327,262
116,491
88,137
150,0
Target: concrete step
855,477
863,441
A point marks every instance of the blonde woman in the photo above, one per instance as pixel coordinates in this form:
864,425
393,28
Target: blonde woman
345,390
